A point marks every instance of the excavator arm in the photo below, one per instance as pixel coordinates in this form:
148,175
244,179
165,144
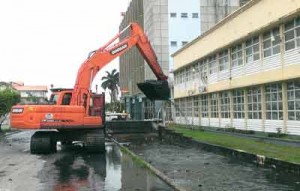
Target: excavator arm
108,52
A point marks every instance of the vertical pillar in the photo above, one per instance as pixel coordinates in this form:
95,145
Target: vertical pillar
231,108
219,107
246,108
284,106
263,107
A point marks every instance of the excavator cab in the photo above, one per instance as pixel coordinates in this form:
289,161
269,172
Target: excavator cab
155,89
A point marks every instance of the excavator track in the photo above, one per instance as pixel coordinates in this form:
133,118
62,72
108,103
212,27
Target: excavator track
95,141
43,142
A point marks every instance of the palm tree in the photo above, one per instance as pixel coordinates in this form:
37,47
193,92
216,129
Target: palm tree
111,82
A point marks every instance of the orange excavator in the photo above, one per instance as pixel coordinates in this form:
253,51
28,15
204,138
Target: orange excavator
79,114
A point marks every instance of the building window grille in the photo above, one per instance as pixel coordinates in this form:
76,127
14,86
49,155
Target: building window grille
273,93
195,15
173,15
196,106
189,106
213,67
292,34
177,103
238,104
184,43
271,42
204,106
252,49
203,70
184,15
174,43
214,105
183,106
254,103
236,56
223,60
186,74
293,97
225,105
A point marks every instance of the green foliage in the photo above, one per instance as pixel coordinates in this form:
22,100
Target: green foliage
111,82
8,98
117,107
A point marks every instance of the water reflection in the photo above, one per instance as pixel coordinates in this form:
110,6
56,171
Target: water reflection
74,169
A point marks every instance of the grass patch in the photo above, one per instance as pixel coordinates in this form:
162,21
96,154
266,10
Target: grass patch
286,153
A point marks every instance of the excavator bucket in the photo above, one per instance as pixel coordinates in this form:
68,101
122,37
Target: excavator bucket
155,89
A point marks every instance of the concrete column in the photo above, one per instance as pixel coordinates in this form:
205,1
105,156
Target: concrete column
263,107
219,107
231,108
284,106
209,108
246,108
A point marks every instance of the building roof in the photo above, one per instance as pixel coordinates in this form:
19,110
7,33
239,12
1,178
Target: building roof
31,88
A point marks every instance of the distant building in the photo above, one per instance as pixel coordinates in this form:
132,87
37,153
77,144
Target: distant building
169,25
244,72
30,94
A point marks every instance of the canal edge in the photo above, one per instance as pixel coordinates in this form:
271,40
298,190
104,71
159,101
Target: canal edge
259,160
157,172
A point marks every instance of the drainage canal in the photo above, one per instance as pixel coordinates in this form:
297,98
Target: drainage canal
194,169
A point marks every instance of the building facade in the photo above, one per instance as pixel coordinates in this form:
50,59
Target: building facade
244,72
169,25
31,94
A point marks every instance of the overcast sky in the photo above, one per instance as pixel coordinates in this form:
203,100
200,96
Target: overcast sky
44,42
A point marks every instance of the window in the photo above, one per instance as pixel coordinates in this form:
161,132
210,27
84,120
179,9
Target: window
204,106
182,106
238,104
177,103
225,105
214,105
271,42
189,106
213,68
223,60
196,106
252,49
293,91
292,34
195,15
203,70
273,94
173,43
254,103
184,43
184,15
173,15
236,56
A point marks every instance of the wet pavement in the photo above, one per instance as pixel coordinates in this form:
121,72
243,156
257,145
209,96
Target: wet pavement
70,169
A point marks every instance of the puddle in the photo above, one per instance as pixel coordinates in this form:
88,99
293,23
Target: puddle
112,171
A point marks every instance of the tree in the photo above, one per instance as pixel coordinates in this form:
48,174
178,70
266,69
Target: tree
8,98
111,82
